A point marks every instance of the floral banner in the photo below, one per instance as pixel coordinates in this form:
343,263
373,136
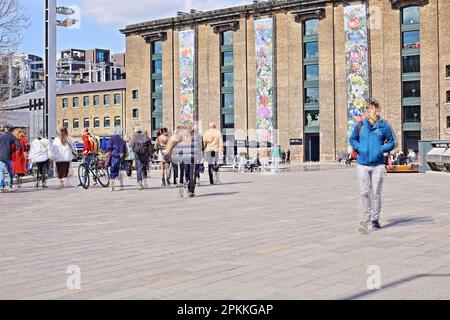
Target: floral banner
356,56
264,79
187,75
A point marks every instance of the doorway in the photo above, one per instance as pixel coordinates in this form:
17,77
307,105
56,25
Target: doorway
312,147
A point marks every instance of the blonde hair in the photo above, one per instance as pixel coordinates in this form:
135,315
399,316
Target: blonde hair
18,133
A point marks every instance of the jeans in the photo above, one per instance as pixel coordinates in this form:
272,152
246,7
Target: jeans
114,168
178,171
88,161
141,167
6,166
371,188
190,176
42,171
212,159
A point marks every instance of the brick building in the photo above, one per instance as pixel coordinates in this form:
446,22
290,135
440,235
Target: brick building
297,72
98,106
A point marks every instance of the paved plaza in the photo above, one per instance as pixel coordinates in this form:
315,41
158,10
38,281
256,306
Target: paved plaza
287,236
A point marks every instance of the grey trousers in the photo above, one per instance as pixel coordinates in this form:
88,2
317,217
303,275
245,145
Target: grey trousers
371,189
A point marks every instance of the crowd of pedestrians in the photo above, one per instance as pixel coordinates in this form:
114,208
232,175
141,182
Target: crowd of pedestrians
181,155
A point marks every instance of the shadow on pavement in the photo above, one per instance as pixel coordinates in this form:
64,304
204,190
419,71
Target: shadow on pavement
217,194
401,221
395,284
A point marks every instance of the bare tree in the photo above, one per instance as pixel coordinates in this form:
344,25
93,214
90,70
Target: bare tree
12,21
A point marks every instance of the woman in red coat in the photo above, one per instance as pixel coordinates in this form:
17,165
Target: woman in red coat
18,157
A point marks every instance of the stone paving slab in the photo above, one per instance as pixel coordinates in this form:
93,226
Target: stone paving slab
284,236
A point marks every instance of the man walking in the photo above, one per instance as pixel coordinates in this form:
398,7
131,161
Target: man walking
141,146
6,141
213,145
371,139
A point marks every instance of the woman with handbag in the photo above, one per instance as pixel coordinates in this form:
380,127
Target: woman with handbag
63,153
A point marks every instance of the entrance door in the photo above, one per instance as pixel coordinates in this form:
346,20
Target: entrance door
411,141
312,147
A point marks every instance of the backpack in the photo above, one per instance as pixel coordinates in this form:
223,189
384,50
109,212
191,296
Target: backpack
95,145
141,147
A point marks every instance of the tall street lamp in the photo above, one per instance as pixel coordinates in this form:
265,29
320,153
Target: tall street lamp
50,61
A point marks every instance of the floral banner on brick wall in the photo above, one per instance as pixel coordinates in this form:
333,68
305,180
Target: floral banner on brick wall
187,75
356,56
264,79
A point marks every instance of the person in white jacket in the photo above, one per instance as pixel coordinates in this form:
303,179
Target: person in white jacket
62,153
40,154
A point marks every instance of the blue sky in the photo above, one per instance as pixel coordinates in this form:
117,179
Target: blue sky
102,19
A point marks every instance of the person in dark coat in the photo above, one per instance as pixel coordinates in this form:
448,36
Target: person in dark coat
7,142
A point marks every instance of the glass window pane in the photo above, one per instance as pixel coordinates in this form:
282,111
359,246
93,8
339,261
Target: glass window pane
96,100
86,101
448,96
135,113
117,98
228,100
411,15
311,27
227,80
411,64
157,123
157,66
157,47
311,50
227,121
106,122
448,122
65,123
75,102
86,123
312,118
312,95
106,100
117,121
227,38
65,103
448,71
312,72
227,59
157,86
411,114
411,39
96,122
157,105
76,123
411,89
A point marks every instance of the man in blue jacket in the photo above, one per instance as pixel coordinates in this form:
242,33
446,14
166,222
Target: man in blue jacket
371,139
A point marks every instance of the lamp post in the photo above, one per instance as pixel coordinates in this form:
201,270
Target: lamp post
50,61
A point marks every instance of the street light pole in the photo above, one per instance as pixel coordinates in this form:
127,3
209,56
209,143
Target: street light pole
50,69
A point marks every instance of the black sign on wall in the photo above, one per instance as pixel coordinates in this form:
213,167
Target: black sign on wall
296,142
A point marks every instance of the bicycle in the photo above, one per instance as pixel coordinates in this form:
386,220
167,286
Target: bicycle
98,170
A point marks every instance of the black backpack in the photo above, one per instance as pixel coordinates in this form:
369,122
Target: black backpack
141,147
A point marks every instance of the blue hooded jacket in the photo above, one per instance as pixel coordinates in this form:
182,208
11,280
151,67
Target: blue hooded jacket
373,142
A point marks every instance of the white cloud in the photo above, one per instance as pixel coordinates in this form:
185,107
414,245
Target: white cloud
123,12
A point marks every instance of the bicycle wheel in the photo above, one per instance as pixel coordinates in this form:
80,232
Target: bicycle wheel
83,176
103,176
